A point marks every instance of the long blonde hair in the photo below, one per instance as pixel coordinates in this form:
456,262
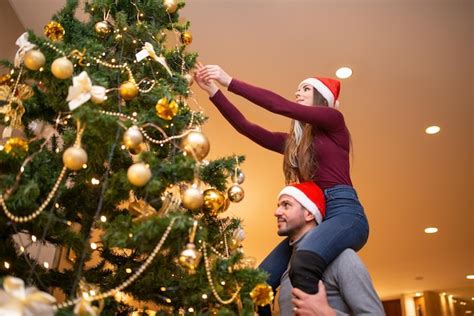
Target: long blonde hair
299,162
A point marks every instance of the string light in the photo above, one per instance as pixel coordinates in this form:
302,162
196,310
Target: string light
6,265
103,219
93,246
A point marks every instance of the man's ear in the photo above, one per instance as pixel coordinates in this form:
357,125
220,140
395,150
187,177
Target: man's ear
308,216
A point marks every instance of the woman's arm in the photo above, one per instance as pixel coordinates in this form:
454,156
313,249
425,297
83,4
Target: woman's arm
321,116
271,140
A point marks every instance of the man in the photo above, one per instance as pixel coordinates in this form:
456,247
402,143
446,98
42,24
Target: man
349,287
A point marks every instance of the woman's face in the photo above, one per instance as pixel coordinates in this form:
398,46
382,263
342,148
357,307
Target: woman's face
304,94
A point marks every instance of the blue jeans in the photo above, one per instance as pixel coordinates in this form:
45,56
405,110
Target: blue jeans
345,226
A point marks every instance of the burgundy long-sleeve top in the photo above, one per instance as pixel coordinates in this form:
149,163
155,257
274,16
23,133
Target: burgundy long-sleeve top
331,140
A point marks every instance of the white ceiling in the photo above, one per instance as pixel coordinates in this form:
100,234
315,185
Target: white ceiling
413,67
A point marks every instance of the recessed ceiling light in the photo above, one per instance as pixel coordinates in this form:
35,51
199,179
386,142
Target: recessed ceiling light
432,130
418,294
470,276
344,72
431,230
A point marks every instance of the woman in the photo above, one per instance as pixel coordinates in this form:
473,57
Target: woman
316,148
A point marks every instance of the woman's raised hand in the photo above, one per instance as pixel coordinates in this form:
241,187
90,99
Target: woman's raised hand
214,72
209,86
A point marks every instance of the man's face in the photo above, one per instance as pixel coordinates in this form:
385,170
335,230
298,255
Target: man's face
291,216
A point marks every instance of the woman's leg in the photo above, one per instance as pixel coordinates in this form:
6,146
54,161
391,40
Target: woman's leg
322,245
277,262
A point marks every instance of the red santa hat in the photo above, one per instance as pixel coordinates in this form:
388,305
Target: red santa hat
310,196
329,89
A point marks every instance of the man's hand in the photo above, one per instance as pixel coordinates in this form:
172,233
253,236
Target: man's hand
312,305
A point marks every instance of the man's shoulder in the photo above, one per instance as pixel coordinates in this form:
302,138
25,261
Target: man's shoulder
348,259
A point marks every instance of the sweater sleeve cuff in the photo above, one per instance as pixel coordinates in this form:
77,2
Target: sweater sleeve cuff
217,96
233,85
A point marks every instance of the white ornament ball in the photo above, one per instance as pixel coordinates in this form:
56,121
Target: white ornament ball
139,174
62,68
74,158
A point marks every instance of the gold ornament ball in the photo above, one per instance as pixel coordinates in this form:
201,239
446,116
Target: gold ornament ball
196,145
189,78
34,59
103,28
192,198
137,150
214,201
62,68
128,90
186,38
170,5
74,158
189,257
235,193
139,174
132,137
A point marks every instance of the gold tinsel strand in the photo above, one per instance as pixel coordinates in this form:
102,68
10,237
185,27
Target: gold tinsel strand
262,294
54,31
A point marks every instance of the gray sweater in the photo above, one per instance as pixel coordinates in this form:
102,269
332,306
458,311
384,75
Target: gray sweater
348,285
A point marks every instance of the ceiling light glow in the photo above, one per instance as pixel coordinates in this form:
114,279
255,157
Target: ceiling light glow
431,230
432,130
470,276
344,72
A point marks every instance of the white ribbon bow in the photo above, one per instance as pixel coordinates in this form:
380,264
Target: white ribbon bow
25,46
148,50
15,300
82,90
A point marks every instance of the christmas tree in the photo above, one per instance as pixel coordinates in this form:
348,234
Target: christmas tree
102,162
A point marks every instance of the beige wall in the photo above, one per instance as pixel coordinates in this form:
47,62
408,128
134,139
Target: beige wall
11,29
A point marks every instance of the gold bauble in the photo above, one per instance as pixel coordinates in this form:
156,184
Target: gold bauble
74,158
196,145
139,174
189,257
186,38
132,137
34,59
192,198
166,110
170,5
189,78
62,68
128,90
214,201
103,28
137,150
235,193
